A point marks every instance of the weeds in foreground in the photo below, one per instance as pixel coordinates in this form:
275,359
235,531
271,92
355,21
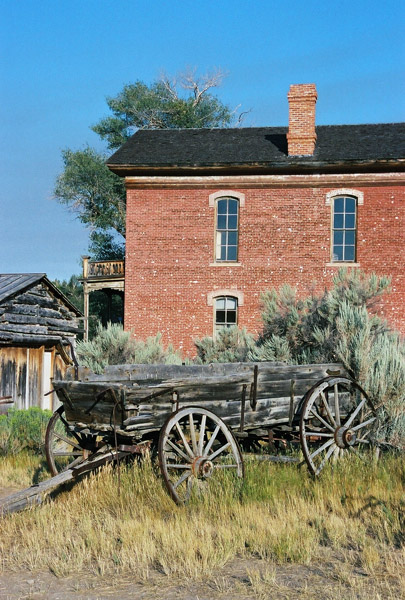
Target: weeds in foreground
280,515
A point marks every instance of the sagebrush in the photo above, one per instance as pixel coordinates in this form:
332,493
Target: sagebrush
113,346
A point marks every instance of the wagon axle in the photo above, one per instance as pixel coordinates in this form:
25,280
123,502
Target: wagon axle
345,438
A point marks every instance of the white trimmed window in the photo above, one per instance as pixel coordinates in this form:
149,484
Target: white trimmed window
344,225
225,312
344,203
227,230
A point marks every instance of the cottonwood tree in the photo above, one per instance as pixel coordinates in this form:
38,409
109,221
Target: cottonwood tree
87,186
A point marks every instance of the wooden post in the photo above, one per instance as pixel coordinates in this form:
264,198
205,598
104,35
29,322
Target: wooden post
86,297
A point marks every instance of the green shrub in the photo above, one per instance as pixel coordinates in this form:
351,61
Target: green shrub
114,346
230,345
23,430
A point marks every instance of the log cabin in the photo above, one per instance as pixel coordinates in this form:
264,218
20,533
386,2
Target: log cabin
38,329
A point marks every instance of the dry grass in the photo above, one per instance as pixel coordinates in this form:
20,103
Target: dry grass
280,515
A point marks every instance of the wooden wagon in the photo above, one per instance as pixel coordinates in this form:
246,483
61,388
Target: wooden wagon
199,418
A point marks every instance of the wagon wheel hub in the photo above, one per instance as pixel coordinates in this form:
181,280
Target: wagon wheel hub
345,437
201,467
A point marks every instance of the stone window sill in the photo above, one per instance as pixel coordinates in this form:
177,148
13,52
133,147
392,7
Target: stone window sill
225,264
342,264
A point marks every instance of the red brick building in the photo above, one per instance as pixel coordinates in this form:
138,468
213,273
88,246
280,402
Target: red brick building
215,217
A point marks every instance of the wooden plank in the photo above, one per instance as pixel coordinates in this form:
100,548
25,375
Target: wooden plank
33,495
161,373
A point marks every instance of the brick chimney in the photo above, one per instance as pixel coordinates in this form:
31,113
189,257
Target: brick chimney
301,135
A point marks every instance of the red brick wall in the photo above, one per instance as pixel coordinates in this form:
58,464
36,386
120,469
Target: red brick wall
284,238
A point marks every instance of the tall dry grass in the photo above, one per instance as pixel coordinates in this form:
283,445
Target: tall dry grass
279,513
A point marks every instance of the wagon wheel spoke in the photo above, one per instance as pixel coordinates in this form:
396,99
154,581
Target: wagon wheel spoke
323,447
325,459
66,440
364,424
354,414
219,451
347,423
185,442
321,420
207,449
212,440
328,410
177,449
182,478
66,425
337,407
193,435
62,445
202,434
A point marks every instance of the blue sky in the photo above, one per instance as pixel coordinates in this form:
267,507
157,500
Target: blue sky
59,59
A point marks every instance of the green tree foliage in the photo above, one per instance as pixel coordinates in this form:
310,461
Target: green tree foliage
113,346
90,190
86,185
181,103
72,289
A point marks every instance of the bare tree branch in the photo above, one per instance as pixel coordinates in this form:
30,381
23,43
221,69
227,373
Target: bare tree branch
200,85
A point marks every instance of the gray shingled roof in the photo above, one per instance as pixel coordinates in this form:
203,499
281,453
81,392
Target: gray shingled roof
14,283
258,146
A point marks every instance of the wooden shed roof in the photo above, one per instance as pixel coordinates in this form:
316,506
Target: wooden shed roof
14,283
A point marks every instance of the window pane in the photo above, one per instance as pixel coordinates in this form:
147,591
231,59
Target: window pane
231,303
222,207
220,316
221,222
338,221
349,221
223,252
339,205
232,253
232,222
349,237
220,303
231,317
232,238
233,207
349,253
338,237
337,252
350,205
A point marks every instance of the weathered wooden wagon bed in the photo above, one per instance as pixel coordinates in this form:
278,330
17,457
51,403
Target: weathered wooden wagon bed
199,417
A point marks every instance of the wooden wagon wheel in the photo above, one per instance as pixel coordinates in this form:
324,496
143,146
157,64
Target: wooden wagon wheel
64,448
194,447
337,418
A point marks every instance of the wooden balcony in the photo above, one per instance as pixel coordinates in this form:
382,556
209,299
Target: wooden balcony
105,269
105,275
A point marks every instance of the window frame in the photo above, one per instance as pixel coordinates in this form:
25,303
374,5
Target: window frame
226,324
226,231
358,198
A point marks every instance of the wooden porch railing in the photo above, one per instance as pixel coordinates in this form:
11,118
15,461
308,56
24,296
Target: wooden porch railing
103,269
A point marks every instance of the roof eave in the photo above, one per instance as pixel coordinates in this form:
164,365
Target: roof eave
294,165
